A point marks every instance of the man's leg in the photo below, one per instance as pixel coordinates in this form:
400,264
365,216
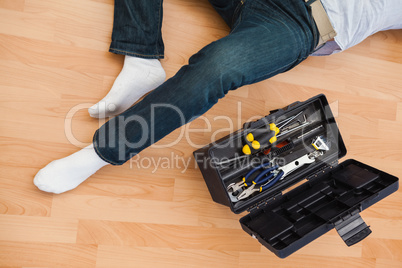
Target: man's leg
137,35
268,38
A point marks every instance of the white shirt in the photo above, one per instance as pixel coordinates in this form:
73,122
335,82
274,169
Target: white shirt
355,20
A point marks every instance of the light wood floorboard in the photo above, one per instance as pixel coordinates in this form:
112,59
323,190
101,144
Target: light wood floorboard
53,57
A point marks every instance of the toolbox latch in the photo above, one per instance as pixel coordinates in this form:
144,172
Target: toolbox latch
352,229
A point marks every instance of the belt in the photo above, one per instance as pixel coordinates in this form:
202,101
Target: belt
322,21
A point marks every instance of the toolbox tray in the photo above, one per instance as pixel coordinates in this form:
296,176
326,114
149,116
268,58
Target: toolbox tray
310,201
309,211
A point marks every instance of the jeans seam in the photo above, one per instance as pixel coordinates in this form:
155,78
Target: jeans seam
235,13
159,23
238,12
133,53
237,22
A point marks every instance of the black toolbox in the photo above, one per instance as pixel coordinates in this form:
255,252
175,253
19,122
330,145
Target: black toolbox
310,200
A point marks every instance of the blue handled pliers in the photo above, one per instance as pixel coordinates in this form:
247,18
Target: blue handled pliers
263,181
247,181
269,177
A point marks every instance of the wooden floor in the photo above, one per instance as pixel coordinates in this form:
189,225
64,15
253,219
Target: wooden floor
54,63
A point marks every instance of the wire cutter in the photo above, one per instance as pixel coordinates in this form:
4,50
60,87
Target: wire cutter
269,177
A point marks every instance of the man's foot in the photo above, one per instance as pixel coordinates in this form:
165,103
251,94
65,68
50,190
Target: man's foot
138,77
67,173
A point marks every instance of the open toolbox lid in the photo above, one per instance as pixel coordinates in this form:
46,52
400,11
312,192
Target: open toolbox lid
313,199
331,200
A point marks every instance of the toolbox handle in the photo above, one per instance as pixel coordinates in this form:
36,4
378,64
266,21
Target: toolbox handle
352,229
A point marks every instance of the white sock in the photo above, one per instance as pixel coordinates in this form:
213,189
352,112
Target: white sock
138,77
67,173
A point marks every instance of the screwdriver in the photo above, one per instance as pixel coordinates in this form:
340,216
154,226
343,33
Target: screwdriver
268,138
256,144
243,166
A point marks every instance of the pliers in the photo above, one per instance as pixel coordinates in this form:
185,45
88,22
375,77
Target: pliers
263,181
277,173
247,179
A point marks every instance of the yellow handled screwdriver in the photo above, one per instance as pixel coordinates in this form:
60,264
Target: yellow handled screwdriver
253,143
270,138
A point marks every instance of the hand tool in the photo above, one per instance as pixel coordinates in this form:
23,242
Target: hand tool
236,158
269,177
250,137
266,152
294,129
309,132
260,158
274,152
268,138
246,181
321,144
248,164
277,146
254,143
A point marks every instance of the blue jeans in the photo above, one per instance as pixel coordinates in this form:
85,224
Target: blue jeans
267,37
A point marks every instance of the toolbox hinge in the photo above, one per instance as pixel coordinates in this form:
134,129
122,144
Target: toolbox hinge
318,172
352,228
264,202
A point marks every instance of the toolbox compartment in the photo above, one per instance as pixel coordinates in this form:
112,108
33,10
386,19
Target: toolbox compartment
309,201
